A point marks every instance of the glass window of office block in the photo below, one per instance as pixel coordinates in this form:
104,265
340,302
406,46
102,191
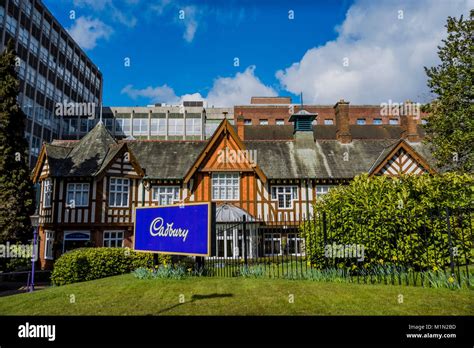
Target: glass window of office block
62,45
69,52
23,36
34,45
36,17
176,126
109,124
140,126
82,66
41,82
67,76
2,15
122,126
44,55
26,7
54,37
31,75
83,125
48,116
50,90
158,126
75,60
193,126
73,82
22,70
35,146
46,28
11,25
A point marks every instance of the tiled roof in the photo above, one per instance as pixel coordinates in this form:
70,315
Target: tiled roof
279,154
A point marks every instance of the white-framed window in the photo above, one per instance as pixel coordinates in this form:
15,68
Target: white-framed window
377,121
47,193
321,190
165,195
328,122
247,122
225,186
77,195
393,121
118,192
280,122
113,239
48,245
263,122
272,244
361,121
285,195
294,244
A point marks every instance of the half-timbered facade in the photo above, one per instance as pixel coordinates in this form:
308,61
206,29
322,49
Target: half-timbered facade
90,187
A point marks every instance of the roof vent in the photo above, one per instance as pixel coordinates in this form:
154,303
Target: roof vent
303,121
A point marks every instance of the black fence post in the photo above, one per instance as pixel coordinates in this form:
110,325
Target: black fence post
244,230
450,241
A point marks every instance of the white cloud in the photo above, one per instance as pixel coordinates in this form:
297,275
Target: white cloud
114,12
386,54
86,31
226,91
190,22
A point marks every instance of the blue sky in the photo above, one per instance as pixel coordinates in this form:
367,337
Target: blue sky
363,51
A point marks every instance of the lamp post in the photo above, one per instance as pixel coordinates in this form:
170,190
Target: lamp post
35,223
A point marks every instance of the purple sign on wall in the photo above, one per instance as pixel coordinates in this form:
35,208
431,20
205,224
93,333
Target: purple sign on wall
178,229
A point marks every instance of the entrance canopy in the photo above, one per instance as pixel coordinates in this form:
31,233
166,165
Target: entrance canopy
227,212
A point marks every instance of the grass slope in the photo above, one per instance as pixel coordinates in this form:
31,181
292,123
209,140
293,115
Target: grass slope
126,295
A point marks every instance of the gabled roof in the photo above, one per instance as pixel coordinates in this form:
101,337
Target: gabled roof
318,156
224,127
390,151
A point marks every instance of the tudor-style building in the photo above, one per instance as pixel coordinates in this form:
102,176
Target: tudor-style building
90,187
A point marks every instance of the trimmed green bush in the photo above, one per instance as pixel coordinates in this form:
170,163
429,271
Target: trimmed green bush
397,220
94,263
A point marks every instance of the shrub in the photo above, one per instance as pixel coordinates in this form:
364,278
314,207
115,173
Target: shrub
400,220
94,263
162,271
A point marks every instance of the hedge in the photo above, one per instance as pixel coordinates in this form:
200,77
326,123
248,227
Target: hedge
399,221
93,263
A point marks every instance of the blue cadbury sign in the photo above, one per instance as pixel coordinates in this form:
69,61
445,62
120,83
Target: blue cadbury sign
184,229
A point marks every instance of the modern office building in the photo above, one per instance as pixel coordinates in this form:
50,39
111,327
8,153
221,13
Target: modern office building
191,120
52,68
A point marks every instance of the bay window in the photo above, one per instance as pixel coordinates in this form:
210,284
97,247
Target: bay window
77,195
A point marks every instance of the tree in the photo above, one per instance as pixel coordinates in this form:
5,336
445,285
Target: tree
16,188
450,127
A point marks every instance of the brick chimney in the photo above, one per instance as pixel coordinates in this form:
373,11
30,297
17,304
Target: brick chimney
409,123
240,126
343,133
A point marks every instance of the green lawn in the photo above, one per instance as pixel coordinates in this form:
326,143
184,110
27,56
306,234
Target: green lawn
126,295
